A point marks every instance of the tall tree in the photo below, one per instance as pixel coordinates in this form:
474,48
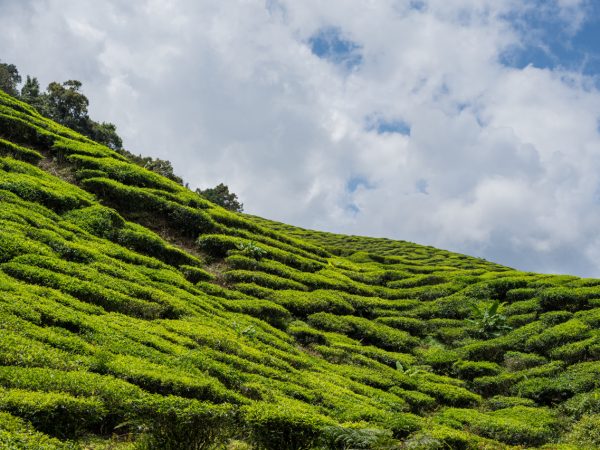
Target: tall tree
30,93
9,79
67,105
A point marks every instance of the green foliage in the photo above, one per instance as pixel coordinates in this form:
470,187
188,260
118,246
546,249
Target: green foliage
353,437
488,321
561,298
172,423
586,432
221,196
9,79
515,361
251,249
97,220
16,433
288,425
58,414
365,330
113,324
518,424
473,369
558,335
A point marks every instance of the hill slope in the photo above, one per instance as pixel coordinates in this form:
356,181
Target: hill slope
135,314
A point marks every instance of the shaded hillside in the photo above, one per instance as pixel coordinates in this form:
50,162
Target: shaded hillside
136,314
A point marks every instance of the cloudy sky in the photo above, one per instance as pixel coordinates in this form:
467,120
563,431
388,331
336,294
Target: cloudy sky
470,125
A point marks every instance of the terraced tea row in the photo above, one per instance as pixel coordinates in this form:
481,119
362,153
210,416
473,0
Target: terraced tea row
134,313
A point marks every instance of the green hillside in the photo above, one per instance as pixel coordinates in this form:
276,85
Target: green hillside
136,314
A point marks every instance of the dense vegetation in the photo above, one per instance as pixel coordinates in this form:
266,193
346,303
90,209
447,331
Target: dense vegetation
67,105
136,314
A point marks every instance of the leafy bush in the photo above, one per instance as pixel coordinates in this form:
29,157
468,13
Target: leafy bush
359,328
519,425
561,298
97,220
502,402
262,309
472,369
303,304
15,433
194,274
586,432
173,423
488,321
515,361
251,249
58,414
449,394
287,425
558,335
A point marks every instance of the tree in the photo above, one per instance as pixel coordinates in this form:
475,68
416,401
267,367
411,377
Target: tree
9,79
105,133
30,93
221,196
67,105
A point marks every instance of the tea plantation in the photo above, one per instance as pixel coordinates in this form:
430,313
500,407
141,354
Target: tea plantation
136,314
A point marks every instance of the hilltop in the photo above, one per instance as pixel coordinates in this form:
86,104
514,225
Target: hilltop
136,314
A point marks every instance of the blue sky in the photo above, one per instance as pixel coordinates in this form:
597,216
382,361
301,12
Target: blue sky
549,42
469,125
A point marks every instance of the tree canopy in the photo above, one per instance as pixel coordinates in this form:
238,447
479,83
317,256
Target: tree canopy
221,196
9,78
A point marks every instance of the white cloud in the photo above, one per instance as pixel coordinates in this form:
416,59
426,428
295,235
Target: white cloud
230,91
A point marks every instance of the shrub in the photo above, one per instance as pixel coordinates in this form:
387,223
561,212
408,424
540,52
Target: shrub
502,402
286,425
561,298
303,304
365,330
254,290
558,335
581,404
408,324
488,321
262,309
139,239
518,320
189,221
262,279
591,317
173,423
194,274
251,250
518,294
439,437
356,438
438,357
517,425
15,434
552,318
586,432
306,335
57,414
587,349
472,369
515,361
449,394
19,152
418,401
97,220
